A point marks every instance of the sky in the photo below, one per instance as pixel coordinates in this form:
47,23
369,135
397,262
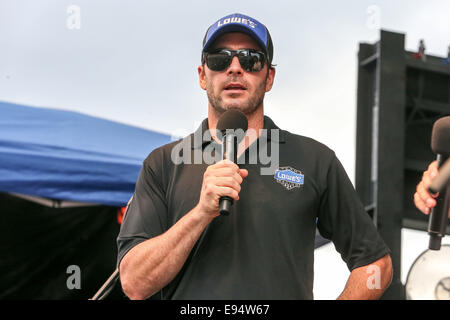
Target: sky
136,61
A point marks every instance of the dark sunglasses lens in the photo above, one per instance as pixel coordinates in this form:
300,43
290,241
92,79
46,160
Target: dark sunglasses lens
218,61
258,60
252,61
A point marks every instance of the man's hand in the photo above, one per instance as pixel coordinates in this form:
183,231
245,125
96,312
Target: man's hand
423,199
221,179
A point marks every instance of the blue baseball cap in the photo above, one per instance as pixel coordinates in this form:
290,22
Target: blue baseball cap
237,22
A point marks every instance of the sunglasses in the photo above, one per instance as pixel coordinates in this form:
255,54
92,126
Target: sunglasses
250,60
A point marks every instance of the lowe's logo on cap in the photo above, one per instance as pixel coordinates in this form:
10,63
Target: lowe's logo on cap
237,22
289,177
236,19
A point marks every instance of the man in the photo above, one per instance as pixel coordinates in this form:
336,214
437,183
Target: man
174,244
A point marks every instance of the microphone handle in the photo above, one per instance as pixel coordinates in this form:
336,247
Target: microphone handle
438,217
229,151
225,204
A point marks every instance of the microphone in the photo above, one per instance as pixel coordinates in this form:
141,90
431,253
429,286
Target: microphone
440,144
232,124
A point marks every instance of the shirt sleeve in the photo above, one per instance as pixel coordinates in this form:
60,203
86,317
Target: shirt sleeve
343,220
147,212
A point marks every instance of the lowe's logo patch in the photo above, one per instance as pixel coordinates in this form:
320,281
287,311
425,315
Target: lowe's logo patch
289,177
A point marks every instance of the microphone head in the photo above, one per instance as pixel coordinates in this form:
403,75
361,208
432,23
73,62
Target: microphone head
440,137
232,120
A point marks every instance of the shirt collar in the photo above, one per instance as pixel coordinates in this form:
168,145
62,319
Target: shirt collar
201,140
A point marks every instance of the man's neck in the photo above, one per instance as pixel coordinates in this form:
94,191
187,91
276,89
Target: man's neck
255,125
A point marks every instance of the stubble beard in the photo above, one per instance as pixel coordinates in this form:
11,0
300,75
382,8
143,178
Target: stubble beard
248,107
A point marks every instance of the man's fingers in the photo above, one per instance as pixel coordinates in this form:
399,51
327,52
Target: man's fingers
420,204
226,182
433,170
426,179
433,167
424,195
225,163
227,192
423,199
224,171
429,176
227,168
243,173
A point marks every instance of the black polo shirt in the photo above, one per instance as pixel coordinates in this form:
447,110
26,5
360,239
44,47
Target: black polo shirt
265,248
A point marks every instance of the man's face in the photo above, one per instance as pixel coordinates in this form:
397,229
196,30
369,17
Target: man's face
235,88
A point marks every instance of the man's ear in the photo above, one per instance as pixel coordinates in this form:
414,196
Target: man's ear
270,79
202,76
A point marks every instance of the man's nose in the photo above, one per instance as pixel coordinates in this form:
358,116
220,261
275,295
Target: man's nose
235,67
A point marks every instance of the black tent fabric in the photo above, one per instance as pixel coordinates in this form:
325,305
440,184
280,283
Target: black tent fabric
39,244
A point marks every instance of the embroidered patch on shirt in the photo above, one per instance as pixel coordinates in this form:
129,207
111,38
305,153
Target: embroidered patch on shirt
289,177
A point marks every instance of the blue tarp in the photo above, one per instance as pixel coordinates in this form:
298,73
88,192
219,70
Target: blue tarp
70,156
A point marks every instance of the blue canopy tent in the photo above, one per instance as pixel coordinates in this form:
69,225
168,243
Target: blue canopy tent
63,157
71,156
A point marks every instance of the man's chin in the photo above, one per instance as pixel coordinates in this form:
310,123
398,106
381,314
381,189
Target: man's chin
246,106
235,104
245,109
